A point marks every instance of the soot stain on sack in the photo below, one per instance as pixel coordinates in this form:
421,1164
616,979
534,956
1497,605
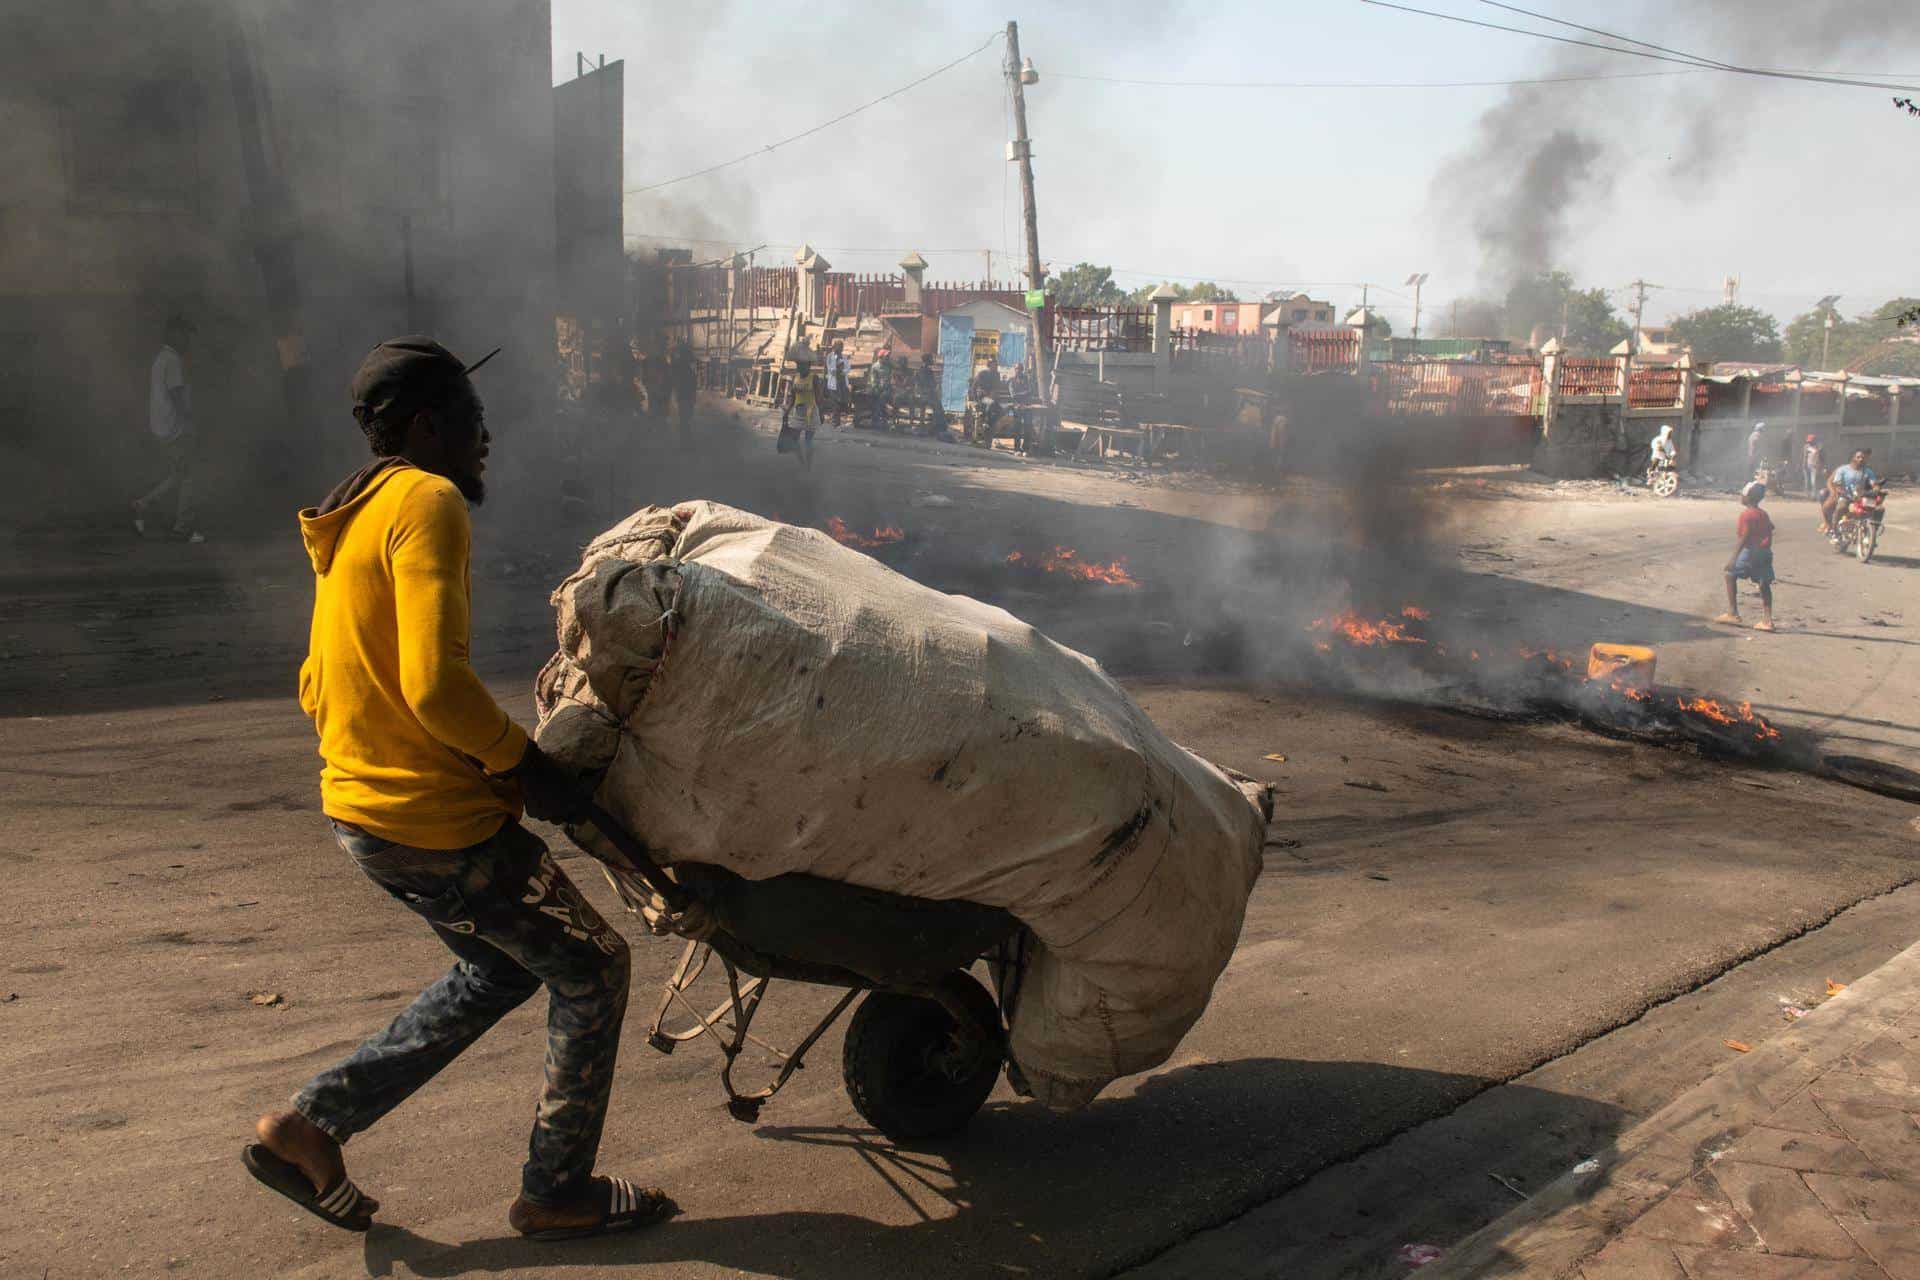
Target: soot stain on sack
1124,835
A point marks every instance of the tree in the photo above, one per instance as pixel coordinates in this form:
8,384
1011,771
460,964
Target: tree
1868,339
1729,332
1204,291
1085,285
1542,304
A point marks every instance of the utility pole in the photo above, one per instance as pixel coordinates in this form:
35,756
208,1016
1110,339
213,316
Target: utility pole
1022,151
1640,288
1417,280
1825,307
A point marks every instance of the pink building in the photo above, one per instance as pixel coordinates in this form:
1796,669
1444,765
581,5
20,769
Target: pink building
1294,311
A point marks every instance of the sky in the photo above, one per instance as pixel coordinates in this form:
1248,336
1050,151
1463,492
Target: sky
1796,189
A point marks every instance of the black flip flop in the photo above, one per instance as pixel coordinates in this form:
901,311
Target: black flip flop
628,1207
338,1205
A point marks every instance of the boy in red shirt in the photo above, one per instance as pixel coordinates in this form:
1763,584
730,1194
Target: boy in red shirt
1752,558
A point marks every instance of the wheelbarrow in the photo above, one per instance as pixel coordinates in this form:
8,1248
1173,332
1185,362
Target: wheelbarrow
927,1042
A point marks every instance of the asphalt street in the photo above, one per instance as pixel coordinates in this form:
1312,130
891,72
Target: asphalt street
1477,944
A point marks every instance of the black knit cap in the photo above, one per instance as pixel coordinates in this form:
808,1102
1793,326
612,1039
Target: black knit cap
406,373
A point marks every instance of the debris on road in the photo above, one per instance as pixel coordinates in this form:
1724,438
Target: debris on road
268,999
1418,1255
1508,1185
1361,784
1738,1046
1274,756
1835,988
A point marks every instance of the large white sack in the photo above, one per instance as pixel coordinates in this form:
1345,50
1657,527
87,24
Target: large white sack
763,699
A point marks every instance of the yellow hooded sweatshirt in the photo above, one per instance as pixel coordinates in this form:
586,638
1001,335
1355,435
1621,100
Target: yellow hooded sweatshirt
405,724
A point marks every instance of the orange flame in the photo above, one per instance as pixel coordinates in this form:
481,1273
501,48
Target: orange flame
838,531
1731,717
1359,632
1415,612
1067,561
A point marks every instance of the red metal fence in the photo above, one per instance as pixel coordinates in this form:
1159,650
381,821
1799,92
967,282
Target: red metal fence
1101,328
945,296
848,294
1583,376
1452,389
766,287
1198,351
1319,350
1655,388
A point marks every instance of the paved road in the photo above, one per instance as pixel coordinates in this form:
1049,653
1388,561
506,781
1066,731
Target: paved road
1494,899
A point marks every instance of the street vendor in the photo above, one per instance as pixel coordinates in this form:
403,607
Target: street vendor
423,783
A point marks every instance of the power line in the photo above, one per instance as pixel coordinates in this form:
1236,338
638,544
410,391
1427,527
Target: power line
826,124
1686,60
1371,84
1775,72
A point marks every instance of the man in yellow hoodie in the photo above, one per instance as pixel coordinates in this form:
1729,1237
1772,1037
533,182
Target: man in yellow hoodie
423,781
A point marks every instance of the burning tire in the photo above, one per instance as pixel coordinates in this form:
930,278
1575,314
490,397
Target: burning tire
1874,775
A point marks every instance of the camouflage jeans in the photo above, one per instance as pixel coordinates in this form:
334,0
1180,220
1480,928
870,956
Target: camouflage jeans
515,922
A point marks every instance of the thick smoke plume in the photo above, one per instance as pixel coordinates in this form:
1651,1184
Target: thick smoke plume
1547,159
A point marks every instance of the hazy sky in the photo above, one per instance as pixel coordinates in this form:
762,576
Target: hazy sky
1797,189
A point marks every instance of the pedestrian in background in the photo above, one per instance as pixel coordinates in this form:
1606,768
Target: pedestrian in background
839,381
685,381
1755,439
1814,462
1752,558
803,403
170,422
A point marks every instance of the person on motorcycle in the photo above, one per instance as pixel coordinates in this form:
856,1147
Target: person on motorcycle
1848,482
1752,558
1664,453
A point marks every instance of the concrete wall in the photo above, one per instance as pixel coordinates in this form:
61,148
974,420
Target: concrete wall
129,196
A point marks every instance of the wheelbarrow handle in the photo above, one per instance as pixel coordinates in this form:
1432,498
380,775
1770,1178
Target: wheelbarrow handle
640,858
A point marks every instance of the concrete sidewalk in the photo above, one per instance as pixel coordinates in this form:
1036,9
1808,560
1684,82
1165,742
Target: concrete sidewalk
1801,1159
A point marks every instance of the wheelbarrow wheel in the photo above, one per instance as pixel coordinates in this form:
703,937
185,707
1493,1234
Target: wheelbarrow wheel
912,1070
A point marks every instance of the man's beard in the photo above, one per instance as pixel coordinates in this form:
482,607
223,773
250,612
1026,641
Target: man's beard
473,488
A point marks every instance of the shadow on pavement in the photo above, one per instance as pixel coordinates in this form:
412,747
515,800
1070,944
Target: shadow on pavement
1027,1192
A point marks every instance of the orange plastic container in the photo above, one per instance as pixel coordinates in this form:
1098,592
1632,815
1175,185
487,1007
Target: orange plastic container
1627,665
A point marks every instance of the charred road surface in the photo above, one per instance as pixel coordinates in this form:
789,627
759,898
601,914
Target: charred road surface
1479,945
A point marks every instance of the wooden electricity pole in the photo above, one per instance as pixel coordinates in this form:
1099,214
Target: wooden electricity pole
1023,154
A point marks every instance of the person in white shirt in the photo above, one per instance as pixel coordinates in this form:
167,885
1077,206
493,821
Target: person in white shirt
839,390
170,421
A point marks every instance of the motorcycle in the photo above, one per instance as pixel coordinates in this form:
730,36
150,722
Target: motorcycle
1663,478
1859,525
